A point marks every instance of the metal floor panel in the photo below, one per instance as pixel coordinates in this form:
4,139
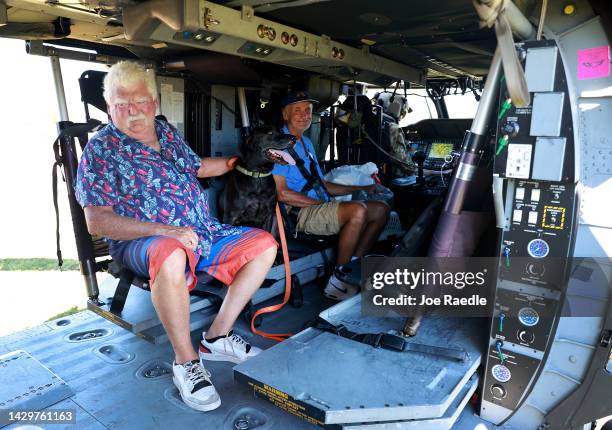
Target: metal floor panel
28,385
320,371
105,365
84,421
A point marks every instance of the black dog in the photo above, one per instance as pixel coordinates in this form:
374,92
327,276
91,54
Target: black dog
249,198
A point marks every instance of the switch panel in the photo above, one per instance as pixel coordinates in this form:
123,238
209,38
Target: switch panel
506,379
519,161
535,157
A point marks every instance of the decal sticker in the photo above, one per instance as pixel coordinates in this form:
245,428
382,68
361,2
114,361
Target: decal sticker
594,63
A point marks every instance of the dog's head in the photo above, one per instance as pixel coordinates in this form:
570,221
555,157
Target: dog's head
265,147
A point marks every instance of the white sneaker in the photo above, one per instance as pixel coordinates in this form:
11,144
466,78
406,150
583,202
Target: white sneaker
337,289
229,348
195,386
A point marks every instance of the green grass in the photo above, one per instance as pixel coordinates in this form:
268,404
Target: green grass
72,310
41,264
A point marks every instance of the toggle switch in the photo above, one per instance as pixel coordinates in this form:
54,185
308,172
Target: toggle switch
500,354
517,215
506,254
502,316
535,195
520,193
532,218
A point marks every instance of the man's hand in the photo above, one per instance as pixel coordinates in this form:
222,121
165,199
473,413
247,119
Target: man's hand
185,235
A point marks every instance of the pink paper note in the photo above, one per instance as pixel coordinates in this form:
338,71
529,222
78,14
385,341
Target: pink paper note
594,63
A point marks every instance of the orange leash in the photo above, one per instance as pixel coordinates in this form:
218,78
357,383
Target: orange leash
279,337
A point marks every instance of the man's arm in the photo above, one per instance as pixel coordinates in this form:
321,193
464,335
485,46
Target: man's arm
340,190
103,221
290,197
215,166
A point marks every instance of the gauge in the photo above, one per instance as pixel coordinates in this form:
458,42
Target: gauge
538,248
501,373
528,317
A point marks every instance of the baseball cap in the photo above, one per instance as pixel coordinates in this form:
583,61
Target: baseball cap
297,96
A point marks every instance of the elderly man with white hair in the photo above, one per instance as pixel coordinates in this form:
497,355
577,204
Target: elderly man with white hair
137,182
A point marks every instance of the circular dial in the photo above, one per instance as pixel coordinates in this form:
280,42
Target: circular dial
526,336
528,317
498,391
501,373
538,248
535,269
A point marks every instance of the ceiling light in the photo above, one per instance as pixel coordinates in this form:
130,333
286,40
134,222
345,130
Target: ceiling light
569,9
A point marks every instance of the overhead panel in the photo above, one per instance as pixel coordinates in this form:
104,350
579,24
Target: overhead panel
205,25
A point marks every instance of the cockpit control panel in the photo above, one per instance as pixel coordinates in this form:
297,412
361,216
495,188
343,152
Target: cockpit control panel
534,156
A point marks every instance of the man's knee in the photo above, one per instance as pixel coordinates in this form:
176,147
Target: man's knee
270,253
352,212
173,267
378,210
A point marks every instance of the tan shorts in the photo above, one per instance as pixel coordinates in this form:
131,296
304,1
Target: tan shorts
319,219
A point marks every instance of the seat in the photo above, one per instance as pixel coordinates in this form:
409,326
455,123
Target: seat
353,148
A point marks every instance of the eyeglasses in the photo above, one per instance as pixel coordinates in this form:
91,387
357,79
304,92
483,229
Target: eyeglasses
139,104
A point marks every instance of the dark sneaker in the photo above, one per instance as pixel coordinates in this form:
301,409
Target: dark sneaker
227,348
195,387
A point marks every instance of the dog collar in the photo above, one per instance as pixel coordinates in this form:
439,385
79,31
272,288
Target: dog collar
251,173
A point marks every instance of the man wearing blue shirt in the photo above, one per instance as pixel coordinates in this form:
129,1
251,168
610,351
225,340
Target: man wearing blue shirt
358,223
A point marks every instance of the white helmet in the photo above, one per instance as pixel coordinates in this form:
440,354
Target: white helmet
392,104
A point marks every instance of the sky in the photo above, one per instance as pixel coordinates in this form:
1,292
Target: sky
28,117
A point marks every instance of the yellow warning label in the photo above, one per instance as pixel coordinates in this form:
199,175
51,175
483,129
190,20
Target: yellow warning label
284,402
554,217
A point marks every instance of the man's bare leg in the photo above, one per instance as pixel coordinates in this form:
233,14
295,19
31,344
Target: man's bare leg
352,217
247,281
377,216
170,297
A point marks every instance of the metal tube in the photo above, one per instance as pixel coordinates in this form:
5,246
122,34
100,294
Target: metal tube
489,95
59,87
518,22
85,251
542,19
244,113
332,136
498,201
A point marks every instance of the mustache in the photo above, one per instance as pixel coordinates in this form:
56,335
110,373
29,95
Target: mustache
138,117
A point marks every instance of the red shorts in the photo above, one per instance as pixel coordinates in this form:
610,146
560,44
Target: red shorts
228,254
